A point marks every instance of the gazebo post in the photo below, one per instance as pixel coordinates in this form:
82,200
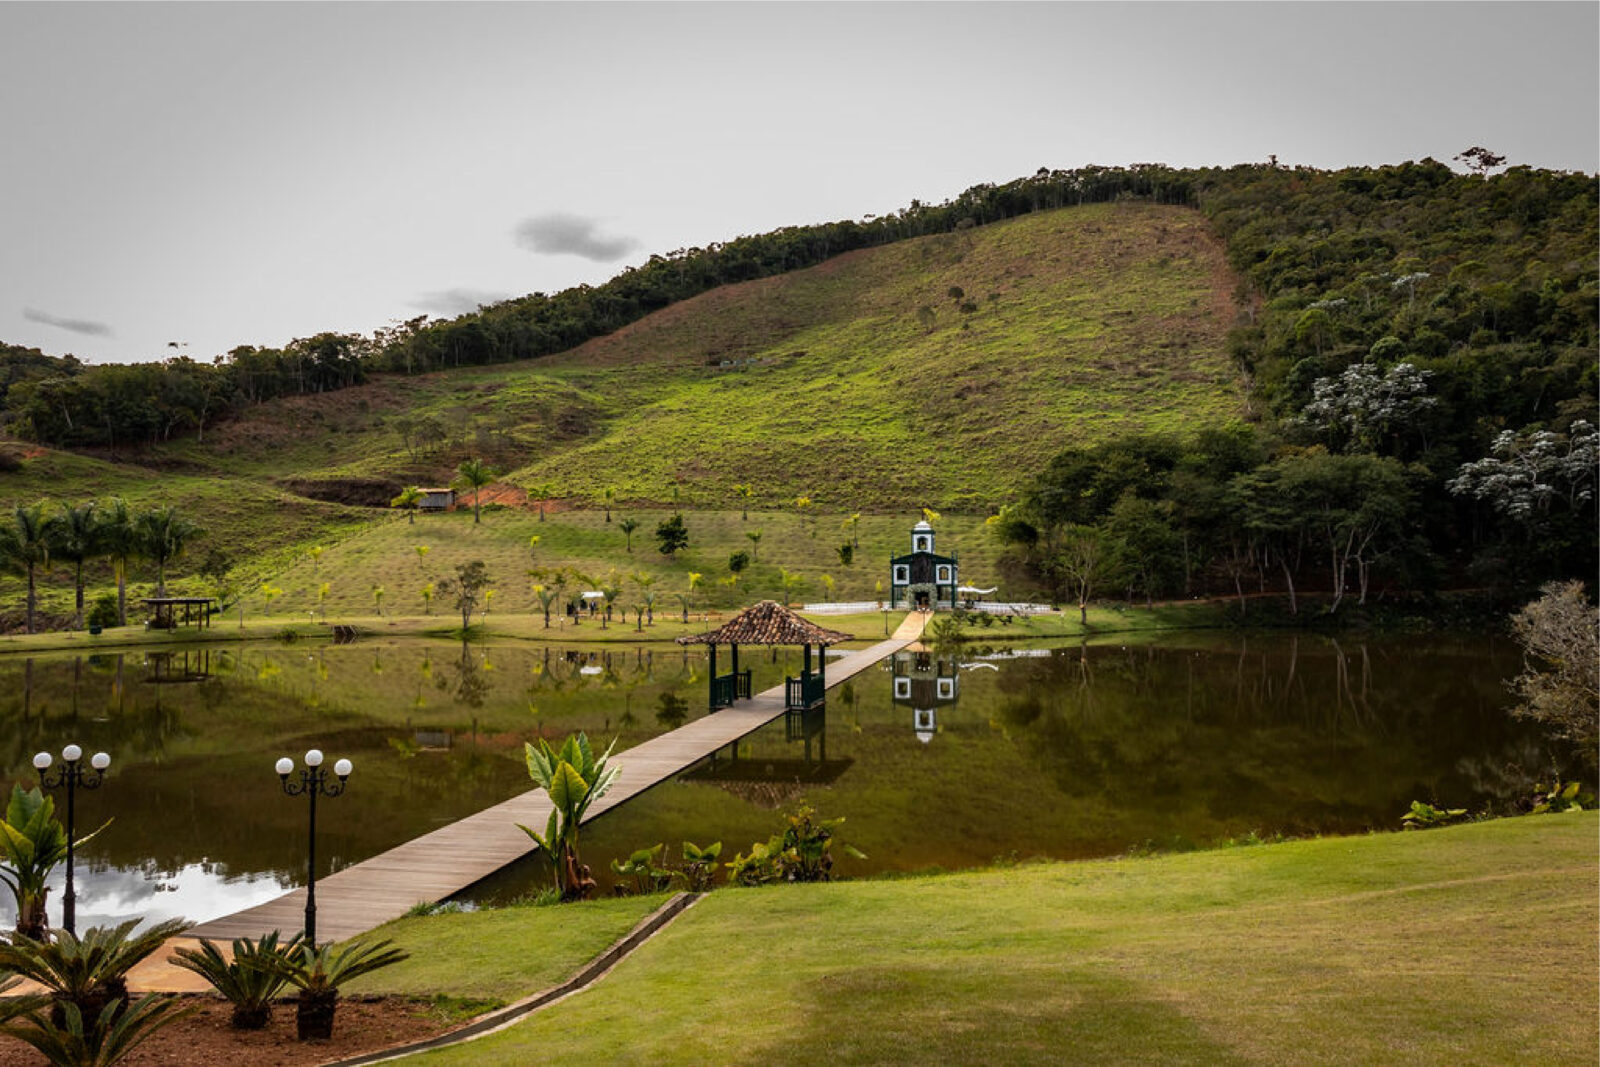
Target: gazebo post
713,698
822,664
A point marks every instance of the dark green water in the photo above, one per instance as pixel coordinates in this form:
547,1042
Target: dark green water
935,761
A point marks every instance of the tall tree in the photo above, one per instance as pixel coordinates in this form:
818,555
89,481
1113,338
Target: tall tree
119,539
25,547
75,538
474,474
163,535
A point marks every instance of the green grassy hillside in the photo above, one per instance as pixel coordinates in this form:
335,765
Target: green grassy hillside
862,383
1086,322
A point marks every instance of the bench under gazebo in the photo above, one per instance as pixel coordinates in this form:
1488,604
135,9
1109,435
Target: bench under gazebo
768,623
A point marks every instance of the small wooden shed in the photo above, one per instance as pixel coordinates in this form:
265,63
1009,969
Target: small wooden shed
437,499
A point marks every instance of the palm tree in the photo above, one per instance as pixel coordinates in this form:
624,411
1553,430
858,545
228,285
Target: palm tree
744,493
119,539
852,524
25,547
608,496
644,582
75,537
542,492
627,526
688,600
474,474
410,497
163,533
755,544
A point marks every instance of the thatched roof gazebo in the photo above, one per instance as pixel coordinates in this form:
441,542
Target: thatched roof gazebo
768,623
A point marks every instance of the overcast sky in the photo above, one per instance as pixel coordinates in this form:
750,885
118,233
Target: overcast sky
226,174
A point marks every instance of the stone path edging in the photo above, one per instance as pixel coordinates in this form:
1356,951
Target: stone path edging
501,1018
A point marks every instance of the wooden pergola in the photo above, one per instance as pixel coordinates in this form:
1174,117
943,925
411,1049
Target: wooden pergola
768,623
163,610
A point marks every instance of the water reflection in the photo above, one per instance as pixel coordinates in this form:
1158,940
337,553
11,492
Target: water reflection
435,730
936,758
953,758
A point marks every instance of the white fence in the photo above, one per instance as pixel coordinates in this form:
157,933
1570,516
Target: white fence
996,607
854,607
858,607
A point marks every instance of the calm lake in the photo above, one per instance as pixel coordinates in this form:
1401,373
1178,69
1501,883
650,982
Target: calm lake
935,759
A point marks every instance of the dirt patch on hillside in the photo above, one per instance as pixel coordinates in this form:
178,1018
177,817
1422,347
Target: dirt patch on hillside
205,1038
361,492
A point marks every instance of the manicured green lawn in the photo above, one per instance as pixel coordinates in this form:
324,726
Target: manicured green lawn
505,954
1475,944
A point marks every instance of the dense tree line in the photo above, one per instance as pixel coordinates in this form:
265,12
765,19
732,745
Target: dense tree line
1237,510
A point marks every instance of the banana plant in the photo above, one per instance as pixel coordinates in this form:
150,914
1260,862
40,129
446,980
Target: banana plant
32,842
574,778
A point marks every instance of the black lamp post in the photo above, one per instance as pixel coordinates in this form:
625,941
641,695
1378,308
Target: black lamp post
72,775
313,783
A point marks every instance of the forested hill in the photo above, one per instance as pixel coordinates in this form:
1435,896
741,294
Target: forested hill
1497,274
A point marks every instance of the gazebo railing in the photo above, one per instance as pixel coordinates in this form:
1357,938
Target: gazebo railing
806,691
726,688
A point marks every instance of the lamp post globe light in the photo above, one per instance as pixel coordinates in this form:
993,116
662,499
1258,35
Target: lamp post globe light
73,775
313,782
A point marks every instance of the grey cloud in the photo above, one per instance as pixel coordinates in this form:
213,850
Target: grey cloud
456,301
86,326
571,235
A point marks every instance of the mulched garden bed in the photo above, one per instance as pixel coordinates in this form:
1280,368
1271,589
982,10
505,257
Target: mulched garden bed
363,1024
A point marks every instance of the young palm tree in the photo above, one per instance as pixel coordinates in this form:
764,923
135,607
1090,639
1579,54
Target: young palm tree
319,972
163,535
410,497
75,537
627,526
119,539
542,492
25,547
474,474
608,496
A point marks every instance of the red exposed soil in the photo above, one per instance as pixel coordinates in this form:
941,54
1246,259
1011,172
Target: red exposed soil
205,1038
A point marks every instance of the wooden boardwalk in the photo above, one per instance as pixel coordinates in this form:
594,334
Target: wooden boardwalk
438,864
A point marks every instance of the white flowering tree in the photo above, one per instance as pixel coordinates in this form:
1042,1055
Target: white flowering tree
1527,474
1366,404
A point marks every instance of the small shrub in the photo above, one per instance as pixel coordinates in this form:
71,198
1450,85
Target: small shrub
1423,815
643,868
698,868
1557,798
103,612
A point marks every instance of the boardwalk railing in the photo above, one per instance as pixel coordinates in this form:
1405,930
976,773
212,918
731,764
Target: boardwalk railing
805,691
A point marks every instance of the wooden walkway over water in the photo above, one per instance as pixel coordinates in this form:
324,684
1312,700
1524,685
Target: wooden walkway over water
447,860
